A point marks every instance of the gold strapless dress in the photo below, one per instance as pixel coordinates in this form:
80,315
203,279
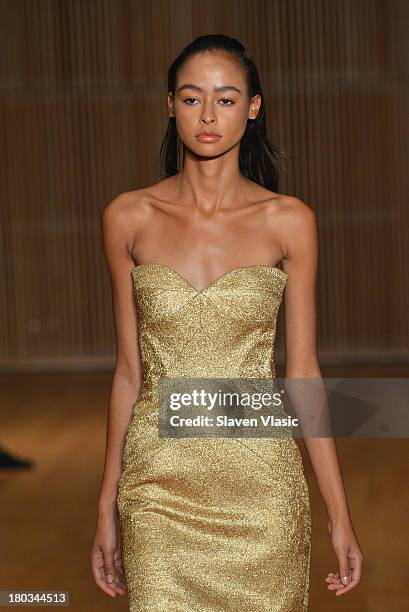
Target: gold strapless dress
210,524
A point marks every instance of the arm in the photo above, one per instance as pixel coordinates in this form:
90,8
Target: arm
117,242
300,249
106,552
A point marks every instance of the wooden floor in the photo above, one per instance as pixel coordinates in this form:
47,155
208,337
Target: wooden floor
47,514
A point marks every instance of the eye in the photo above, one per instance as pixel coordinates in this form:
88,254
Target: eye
226,100
186,101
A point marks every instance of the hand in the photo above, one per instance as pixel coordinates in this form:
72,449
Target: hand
106,556
349,555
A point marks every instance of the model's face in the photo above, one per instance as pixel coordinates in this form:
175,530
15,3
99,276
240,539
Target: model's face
211,98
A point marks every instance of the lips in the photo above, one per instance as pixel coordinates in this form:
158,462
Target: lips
208,137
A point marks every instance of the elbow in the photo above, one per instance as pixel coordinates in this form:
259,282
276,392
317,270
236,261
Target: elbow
303,369
129,373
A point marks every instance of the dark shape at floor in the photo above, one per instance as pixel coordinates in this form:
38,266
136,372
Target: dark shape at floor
9,462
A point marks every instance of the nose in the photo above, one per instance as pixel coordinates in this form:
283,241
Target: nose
208,115
207,119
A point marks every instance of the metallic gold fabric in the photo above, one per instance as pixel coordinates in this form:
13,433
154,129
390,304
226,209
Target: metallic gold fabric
211,524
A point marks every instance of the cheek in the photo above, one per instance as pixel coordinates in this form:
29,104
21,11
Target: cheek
235,124
234,119
186,118
184,126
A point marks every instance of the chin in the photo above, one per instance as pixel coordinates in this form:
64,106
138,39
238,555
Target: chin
208,150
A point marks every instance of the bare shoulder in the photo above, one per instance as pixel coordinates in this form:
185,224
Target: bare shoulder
296,220
127,205
128,213
139,204
292,210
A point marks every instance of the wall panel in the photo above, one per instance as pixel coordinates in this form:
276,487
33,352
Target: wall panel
82,115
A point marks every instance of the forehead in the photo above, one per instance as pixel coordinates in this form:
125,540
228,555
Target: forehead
215,67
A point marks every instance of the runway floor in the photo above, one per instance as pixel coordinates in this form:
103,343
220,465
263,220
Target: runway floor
47,513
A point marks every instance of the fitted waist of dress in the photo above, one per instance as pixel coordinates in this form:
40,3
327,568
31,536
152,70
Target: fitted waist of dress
150,380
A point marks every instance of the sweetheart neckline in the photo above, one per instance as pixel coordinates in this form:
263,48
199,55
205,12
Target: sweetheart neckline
217,280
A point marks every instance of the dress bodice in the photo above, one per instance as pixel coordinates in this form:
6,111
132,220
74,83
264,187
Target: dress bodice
227,329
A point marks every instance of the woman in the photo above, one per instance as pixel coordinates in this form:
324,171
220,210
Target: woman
215,523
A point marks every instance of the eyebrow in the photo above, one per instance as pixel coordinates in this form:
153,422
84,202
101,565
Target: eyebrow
197,88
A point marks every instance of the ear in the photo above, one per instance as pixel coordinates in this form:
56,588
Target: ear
171,108
255,104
